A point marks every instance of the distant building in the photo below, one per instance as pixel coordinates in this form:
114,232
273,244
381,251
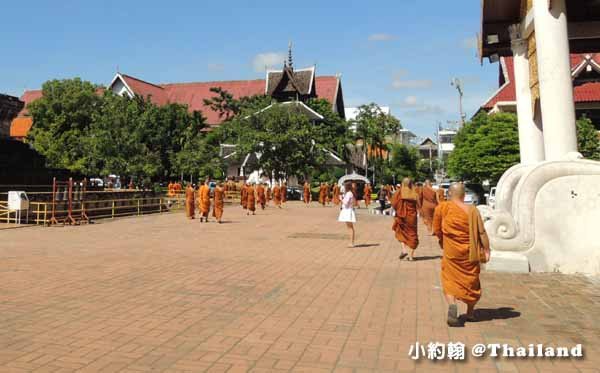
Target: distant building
428,149
9,108
446,142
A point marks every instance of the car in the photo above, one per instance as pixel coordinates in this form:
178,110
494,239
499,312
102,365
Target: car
471,197
295,193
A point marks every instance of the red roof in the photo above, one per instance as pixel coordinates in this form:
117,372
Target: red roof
588,92
194,94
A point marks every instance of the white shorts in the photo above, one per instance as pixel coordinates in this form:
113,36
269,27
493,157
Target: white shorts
347,216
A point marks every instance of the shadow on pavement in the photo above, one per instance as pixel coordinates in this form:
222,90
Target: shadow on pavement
366,245
489,314
434,257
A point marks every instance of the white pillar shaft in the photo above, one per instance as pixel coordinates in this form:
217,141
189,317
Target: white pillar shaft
531,137
554,73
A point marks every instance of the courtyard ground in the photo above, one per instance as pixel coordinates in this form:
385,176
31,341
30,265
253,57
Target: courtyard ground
275,292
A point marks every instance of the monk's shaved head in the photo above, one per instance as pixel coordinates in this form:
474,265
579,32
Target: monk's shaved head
457,191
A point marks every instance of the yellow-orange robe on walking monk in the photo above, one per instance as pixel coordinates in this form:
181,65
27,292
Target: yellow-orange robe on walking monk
251,204
189,202
405,203
460,275
322,192
283,192
219,203
367,194
277,195
429,204
336,194
441,196
244,196
204,200
306,193
262,198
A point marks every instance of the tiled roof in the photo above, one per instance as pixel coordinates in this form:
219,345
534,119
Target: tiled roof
194,94
588,92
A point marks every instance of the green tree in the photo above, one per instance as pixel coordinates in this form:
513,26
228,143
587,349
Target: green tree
404,161
485,147
62,117
587,139
374,128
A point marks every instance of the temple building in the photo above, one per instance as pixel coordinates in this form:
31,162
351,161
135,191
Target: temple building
284,85
585,71
546,213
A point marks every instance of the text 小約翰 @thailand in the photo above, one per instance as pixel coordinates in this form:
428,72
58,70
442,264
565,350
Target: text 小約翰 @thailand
459,351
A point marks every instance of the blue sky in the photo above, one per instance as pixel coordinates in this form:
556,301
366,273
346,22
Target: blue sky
400,53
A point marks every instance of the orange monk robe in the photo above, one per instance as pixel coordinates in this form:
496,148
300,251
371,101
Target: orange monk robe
336,194
306,193
460,276
262,198
268,194
441,196
244,197
322,194
251,204
219,203
283,193
177,188
367,194
277,195
204,200
170,190
429,203
189,202
327,193
404,202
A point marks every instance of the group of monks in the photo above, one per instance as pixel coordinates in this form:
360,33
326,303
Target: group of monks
202,200
461,234
262,194
174,188
331,194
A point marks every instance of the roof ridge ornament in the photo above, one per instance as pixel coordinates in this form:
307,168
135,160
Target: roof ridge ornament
290,62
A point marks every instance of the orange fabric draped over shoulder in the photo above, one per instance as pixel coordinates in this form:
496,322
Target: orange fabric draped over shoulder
262,198
219,203
336,194
367,194
277,195
441,196
251,204
244,197
460,276
306,193
429,203
405,203
204,200
189,202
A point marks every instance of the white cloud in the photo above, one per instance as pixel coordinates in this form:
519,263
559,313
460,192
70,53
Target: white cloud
268,60
425,110
398,82
215,67
381,37
411,101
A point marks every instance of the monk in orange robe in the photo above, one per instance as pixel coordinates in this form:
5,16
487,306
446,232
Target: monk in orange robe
322,194
251,204
283,192
277,195
306,193
367,194
219,202
170,189
268,193
429,203
244,196
465,245
355,192
189,202
405,203
204,201
177,189
262,198
336,194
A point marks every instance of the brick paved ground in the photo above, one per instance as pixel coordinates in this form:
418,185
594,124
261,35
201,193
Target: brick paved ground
276,292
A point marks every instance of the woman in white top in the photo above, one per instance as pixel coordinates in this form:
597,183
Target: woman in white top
347,213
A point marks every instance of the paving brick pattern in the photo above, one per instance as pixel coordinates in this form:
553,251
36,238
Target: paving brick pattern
275,292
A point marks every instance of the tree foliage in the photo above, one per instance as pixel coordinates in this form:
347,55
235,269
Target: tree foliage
78,129
485,147
587,139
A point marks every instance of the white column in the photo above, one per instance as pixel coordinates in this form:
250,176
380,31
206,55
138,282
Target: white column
531,137
554,72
